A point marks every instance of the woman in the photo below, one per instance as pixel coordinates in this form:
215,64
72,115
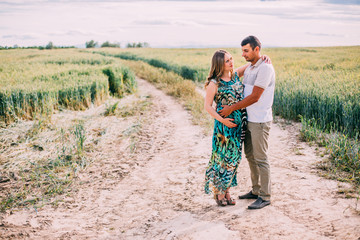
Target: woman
224,86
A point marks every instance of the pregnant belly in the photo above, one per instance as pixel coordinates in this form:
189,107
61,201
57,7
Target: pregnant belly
236,115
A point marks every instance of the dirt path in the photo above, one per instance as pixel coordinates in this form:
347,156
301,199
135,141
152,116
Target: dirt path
155,191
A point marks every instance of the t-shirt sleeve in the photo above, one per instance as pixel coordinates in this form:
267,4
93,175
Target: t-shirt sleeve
264,76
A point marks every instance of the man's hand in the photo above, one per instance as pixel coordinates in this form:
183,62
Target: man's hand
226,111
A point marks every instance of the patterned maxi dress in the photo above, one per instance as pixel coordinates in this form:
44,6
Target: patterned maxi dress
226,142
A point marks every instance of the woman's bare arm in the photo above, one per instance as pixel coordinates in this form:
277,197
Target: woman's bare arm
240,71
211,90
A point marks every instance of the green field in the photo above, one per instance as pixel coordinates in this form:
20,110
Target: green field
318,86
35,82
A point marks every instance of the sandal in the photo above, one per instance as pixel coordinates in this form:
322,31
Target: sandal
221,202
229,200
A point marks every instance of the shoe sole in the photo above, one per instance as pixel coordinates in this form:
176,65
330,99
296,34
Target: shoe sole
261,206
248,197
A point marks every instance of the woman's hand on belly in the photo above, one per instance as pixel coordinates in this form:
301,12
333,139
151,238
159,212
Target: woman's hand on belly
229,122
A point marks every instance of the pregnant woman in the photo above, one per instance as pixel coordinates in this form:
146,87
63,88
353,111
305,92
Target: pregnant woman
225,88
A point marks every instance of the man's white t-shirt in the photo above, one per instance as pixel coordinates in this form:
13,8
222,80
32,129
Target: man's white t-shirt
261,75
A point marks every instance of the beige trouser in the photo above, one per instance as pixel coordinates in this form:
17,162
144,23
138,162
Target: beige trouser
256,146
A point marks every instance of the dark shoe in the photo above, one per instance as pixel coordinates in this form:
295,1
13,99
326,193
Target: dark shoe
249,195
259,203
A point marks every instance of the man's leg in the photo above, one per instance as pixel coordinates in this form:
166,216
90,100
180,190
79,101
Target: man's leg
254,170
259,142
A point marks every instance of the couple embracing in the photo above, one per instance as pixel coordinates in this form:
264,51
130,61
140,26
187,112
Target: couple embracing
243,114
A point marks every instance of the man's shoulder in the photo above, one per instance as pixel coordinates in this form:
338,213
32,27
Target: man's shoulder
267,66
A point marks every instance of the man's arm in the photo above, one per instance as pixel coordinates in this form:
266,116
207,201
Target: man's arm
249,100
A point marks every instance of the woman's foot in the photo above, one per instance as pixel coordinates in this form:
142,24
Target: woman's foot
221,201
229,200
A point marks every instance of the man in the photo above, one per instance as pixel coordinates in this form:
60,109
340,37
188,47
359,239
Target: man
259,81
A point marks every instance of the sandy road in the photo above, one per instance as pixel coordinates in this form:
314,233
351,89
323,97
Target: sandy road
156,191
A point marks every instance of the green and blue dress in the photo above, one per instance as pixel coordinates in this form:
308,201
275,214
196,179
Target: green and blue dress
226,142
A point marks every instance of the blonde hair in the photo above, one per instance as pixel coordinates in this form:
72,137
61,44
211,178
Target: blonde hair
217,66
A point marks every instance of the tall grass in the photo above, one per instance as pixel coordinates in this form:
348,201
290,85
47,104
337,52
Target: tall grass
33,83
185,71
21,104
344,152
121,81
330,107
80,90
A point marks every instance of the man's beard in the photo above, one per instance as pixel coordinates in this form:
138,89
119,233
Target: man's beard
249,59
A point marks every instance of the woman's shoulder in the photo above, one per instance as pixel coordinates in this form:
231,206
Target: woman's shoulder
214,81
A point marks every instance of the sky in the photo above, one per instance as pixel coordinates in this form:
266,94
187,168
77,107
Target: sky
168,23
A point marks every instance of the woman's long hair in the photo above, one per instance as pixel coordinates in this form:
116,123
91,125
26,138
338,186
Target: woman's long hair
217,66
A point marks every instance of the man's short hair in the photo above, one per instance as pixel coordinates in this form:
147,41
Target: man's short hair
254,42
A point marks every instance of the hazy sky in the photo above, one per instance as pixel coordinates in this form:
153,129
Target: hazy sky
180,23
